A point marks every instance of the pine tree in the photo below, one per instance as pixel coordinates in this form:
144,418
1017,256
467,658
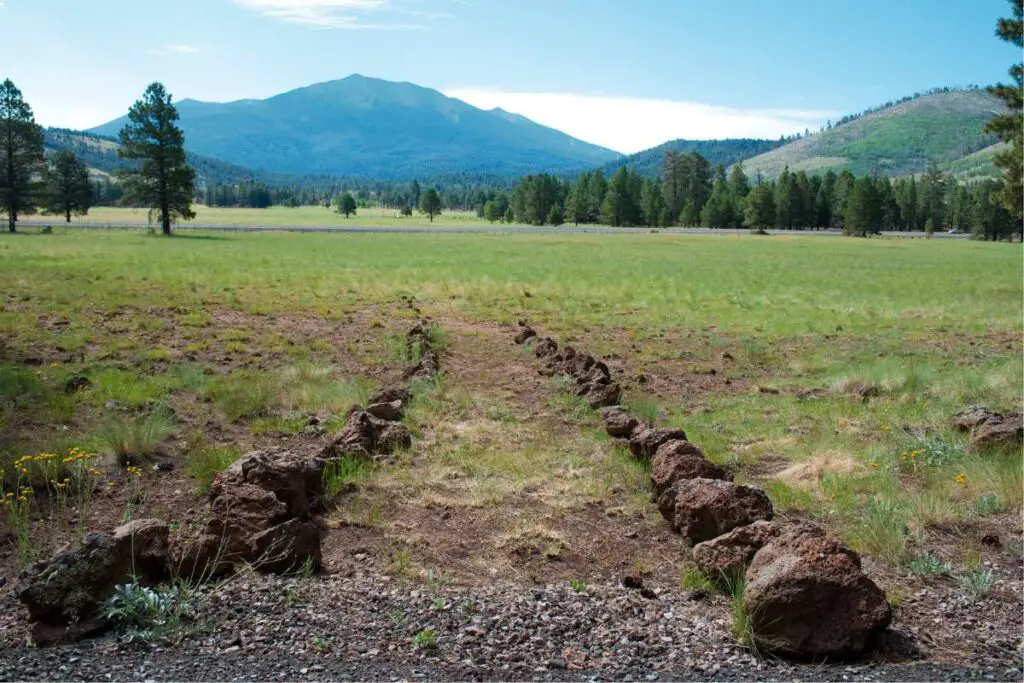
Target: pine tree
21,155
430,203
863,215
163,181
1010,126
620,206
784,200
652,202
345,204
718,211
597,187
68,187
555,215
760,213
739,189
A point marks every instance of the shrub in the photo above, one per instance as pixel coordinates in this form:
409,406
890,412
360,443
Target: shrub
426,639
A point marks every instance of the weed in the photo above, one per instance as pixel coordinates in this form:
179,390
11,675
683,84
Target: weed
340,474
929,564
987,504
693,579
398,616
160,614
578,585
206,461
645,409
321,645
426,639
978,583
882,531
131,439
438,604
400,563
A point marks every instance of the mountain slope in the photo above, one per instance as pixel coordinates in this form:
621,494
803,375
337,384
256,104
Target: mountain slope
725,152
901,139
99,153
360,126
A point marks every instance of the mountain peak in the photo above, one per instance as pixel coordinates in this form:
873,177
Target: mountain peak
370,127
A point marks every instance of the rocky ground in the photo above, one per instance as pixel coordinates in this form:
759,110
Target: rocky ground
363,626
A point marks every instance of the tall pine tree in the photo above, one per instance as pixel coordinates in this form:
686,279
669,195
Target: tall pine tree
68,188
1010,126
163,181
21,155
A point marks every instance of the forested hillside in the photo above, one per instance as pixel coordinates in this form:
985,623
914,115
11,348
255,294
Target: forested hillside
726,152
901,139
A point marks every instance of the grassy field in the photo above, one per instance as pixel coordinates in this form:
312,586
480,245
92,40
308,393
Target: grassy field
278,216
810,366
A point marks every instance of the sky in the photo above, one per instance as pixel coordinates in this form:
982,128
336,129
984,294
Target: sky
625,74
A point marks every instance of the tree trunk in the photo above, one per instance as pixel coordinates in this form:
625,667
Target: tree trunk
67,215
12,220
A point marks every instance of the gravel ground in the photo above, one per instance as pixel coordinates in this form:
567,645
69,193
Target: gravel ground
362,627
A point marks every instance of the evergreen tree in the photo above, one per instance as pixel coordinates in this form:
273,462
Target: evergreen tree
824,200
597,187
21,155
840,197
430,203
1010,126
931,197
493,212
555,215
510,216
68,187
784,200
718,211
576,204
620,206
652,202
739,188
863,214
345,204
760,213
163,181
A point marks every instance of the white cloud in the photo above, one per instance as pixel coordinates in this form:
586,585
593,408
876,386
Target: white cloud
176,50
336,14
633,124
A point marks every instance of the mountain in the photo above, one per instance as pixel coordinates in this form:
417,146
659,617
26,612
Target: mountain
367,127
725,152
898,139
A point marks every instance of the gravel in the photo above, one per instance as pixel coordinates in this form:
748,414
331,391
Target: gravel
259,627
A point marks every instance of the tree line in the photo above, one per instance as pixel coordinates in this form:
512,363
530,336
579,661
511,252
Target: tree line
691,193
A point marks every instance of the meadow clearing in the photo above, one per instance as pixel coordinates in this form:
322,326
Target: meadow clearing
824,371
276,216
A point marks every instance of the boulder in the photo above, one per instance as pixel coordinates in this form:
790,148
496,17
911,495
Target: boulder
601,395
646,441
260,513
293,479
429,367
618,423
400,394
807,597
391,410
725,558
393,437
701,509
989,428
545,347
1005,431
675,460
64,596
971,417
524,334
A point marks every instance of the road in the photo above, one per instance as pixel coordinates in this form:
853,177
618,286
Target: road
476,229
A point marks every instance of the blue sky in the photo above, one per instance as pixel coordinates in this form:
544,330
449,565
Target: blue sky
627,74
